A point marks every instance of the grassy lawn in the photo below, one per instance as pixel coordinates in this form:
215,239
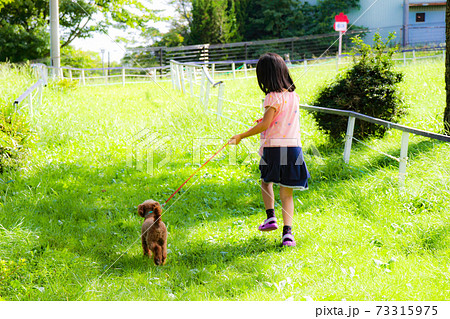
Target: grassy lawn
69,228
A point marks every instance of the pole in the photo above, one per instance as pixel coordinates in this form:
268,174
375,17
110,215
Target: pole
403,158
349,139
54,35
109,63
103,62
340,43
161,61
405,23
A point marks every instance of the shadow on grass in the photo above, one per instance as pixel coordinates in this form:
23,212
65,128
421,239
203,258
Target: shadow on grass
91,211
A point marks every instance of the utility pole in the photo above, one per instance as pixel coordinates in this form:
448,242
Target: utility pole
54,36
405,23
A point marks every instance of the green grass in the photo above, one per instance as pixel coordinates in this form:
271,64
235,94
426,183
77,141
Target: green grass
69,228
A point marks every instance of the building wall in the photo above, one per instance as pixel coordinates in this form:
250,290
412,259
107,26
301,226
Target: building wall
432,30
386,16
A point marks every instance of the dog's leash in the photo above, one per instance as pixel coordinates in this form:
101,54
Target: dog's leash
195,172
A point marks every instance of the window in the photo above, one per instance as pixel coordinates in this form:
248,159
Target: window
420,17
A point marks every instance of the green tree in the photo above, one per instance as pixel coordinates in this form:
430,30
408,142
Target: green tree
213,21
3,2
80,59
269,19
23,23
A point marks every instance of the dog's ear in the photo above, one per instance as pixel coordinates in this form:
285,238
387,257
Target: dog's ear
157,209
141,210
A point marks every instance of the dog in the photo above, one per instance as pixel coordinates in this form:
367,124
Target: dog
154,232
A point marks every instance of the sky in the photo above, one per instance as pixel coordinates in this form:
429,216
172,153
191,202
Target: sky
106,41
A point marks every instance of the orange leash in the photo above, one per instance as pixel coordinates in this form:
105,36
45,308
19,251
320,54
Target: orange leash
195,172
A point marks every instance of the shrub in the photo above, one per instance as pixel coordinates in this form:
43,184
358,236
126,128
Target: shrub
369,86
14,136
15,133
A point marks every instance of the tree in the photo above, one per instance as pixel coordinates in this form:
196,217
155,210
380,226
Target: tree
23,23
212,21
447,72
3,2
269,19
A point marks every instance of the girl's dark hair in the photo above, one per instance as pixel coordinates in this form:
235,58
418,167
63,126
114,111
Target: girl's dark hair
273,74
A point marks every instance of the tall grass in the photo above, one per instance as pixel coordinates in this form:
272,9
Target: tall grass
70,231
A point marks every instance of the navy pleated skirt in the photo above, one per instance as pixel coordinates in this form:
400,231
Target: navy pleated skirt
284,166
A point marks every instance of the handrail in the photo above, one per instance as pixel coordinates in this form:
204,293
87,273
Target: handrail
110,68
374,120
28,91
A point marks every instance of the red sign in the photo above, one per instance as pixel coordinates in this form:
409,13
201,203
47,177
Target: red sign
341,17
341,22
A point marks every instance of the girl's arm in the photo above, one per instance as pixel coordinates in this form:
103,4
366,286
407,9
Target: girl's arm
258,128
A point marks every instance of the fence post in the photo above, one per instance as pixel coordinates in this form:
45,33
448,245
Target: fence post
403,158
305,63
83,78
154,75
206,100
30,102
176,74
349,139
213,69
404,58
233,67
123,76
220,100
202,87
41,89
181,75
245,69
70,74
61,73
191,79
172,74
414,56
337,62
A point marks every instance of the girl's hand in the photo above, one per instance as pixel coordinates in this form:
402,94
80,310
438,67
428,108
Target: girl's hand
235,140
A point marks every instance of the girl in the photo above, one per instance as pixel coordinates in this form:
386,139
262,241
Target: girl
281,152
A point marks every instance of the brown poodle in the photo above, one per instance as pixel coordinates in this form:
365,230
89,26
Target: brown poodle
154,231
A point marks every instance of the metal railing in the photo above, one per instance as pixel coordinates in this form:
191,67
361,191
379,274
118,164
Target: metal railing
33,95
110,76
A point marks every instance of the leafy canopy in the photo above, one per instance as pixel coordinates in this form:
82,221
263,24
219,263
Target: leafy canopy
24,23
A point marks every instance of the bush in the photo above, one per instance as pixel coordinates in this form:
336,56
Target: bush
15,133
14,136
369,87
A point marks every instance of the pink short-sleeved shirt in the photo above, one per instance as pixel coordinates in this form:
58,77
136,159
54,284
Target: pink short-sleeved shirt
284,131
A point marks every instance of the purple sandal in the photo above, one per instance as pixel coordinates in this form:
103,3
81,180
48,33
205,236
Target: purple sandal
269,224
288,240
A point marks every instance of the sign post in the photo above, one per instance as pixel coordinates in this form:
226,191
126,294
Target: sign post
341,26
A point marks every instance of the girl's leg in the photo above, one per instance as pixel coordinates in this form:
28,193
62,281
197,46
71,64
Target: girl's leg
269,203
267,195
287,204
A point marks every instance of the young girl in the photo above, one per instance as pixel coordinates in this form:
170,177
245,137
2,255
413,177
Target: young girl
281,152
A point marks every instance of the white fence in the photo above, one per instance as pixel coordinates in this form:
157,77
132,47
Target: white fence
185,76
110,76
32,97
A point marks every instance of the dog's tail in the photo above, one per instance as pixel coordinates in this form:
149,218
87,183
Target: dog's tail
157,210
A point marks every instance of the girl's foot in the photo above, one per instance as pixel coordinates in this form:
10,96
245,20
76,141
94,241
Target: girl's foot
288,240
269,224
